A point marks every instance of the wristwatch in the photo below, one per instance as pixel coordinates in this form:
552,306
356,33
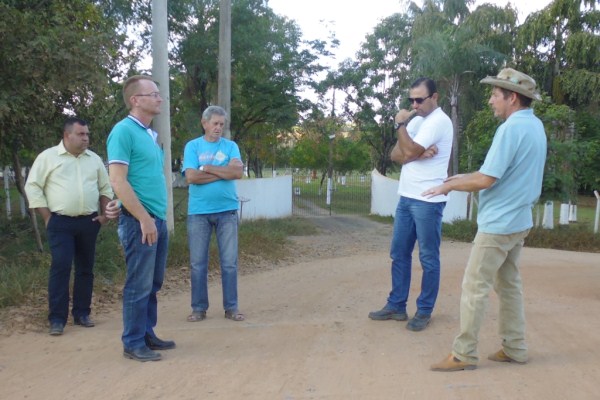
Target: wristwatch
201,168
397,125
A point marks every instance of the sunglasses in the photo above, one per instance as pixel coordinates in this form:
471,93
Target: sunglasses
418,100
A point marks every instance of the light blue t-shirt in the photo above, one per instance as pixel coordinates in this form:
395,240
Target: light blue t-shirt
132,144
217,196
516,159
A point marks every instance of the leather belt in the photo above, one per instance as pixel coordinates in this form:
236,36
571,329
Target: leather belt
126,212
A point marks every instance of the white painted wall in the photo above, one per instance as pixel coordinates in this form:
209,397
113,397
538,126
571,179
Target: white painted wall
266,197
384,199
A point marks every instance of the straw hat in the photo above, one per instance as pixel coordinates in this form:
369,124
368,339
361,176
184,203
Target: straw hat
514,81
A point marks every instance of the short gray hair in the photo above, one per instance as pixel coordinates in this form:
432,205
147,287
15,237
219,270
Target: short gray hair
213,110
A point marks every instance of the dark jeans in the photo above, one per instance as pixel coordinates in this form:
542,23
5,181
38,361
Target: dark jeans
416,221
71,239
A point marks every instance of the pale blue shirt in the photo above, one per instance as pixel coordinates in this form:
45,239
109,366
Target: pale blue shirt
516,159
217,196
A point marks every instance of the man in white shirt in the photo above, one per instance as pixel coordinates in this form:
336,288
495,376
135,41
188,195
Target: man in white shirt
423,148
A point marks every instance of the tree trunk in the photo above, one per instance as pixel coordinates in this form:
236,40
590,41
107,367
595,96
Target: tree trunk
21,188
454,88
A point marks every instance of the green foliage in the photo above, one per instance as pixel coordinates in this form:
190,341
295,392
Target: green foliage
350,155
374,83
564,153
310,153
588,133
55,56
560,46
478,139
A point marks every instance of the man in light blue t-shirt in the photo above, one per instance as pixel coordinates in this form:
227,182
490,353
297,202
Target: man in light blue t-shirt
510,181
211,165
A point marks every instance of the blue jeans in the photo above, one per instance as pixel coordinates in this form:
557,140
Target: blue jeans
71,240
200,228
420,221
145,274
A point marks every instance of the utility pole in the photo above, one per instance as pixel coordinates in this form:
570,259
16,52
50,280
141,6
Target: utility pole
224,96
330,173
160,73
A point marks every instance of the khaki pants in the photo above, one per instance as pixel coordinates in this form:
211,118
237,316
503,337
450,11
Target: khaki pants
493,261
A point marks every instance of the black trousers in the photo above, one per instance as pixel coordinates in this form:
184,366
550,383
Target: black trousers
71,240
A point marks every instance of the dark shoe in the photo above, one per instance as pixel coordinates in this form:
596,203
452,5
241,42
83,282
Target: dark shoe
451,363
142,354
155,343
56,328
388,313
500,356
84,321
418,323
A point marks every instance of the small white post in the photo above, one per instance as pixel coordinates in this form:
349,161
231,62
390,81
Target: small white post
564,214
597,211
548,218
573,213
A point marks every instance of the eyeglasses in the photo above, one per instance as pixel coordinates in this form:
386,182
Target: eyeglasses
419,100
156,95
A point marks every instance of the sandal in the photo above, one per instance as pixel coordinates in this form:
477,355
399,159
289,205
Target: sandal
196,316
234,316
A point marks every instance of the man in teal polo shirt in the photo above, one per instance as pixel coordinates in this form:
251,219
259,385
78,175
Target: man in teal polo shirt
510,181
136,175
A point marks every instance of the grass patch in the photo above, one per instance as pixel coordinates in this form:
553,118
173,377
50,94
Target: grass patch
461,230
23,277
573,237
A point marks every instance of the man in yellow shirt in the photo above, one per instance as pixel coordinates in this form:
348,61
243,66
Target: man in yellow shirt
66,185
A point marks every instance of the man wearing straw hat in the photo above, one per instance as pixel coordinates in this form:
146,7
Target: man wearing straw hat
510,183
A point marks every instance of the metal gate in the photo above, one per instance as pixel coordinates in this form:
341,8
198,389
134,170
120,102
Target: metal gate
349,193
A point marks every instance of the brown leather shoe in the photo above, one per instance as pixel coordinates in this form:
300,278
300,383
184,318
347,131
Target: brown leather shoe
452,363
500,356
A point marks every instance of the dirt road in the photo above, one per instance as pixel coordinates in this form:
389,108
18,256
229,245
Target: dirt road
307,336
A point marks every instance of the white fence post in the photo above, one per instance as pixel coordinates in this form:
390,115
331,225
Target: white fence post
548,218
564,214
572,212
597,211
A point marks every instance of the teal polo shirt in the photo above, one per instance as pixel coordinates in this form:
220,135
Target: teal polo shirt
133,144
